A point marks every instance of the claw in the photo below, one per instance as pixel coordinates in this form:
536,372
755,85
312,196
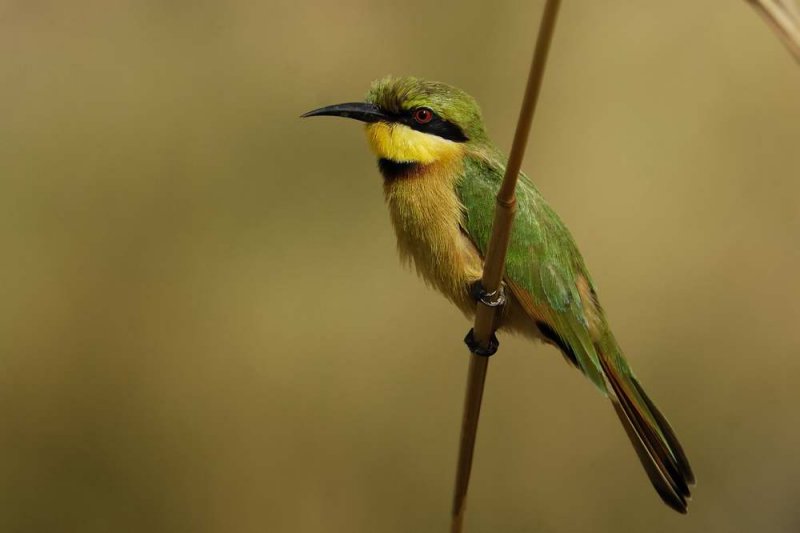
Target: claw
477,349
490,299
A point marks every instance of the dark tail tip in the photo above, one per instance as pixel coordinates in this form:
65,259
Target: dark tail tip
669,435
652,437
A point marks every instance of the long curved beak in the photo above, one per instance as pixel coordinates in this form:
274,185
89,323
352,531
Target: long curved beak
357,110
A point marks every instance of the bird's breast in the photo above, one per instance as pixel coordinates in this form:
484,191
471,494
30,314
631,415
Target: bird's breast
426,214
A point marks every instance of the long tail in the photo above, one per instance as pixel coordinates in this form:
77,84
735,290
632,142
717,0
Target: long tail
651,435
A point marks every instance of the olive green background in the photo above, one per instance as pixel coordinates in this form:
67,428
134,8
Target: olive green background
204,326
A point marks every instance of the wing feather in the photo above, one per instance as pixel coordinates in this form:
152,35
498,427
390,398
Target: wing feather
547,277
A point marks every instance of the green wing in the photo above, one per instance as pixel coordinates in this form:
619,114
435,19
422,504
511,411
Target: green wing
545,269
542,258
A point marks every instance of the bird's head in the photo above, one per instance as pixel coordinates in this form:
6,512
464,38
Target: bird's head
410,120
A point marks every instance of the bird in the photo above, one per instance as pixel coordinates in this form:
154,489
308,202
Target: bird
440,175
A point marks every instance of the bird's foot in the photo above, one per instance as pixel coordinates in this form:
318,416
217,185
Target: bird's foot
476,348
493,299
490,299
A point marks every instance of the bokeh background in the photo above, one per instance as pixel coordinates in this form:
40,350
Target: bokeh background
204,326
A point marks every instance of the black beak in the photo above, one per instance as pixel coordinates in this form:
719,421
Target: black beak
358,110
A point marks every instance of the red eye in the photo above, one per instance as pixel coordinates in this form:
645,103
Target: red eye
423,115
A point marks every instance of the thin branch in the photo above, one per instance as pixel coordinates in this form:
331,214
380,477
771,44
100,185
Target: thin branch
783,16
494,263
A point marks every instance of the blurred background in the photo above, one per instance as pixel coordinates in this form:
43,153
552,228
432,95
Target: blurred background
204,325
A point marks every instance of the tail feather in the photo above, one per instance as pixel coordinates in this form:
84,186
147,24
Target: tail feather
602,362
651,435
669,435
657,478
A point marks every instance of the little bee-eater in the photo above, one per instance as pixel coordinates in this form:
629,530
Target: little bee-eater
440,176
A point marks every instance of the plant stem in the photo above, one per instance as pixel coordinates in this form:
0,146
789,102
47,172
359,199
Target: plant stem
494,263
783,16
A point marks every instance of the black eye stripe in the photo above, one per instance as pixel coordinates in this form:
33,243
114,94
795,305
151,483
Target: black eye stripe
441,127
436,126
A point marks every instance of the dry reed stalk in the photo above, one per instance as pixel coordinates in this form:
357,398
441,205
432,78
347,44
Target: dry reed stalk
494,263
783,16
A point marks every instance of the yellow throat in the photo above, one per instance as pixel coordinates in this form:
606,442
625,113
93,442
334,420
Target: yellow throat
400,143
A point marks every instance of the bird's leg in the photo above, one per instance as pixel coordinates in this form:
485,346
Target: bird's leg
490,299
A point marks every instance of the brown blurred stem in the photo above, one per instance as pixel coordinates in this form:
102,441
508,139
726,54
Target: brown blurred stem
494,263
783,16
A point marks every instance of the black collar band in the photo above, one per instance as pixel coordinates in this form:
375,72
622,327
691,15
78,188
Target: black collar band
392,170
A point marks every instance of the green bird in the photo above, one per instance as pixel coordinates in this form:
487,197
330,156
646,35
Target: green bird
440,176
